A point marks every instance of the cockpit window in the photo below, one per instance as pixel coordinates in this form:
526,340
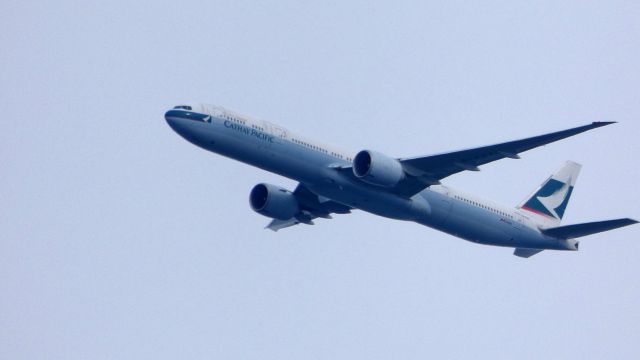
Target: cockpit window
184,107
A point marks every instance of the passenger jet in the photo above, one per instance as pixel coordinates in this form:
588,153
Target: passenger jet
332,181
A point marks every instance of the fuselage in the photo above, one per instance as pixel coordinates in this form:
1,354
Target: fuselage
273,148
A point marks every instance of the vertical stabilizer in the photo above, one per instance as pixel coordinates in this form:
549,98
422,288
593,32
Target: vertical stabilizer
550,200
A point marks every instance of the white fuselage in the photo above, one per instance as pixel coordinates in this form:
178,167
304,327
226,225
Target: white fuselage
276,149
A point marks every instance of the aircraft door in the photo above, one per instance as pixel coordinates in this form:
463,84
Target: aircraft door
518,222
516,228
278,131
273,135
444,205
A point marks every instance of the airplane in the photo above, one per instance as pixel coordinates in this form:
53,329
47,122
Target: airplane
332,181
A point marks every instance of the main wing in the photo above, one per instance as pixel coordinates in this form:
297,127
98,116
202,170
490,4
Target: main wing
312,206
428,170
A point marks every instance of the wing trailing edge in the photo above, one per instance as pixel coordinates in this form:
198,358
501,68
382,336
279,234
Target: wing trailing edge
426,170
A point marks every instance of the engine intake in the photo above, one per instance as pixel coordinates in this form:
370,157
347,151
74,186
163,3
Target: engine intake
273,201
377,169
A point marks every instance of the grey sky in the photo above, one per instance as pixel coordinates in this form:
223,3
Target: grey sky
119,240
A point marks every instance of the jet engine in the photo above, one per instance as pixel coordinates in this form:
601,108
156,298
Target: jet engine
377,169
273,201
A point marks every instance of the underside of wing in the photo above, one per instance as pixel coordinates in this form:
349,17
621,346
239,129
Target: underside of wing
428,170
312,207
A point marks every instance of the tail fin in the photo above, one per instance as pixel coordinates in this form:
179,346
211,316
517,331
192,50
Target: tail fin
550,200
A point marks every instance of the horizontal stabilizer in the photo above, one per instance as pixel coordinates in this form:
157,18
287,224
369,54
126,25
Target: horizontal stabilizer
525,253
579,230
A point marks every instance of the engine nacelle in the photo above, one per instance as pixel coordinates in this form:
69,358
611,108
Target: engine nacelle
377,169
273,201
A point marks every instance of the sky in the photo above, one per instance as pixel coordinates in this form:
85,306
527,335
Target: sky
120,240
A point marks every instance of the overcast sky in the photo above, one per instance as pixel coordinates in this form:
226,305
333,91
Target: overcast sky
120,240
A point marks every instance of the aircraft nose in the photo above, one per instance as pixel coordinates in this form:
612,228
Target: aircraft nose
177,121
173,116
189,124
169,118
